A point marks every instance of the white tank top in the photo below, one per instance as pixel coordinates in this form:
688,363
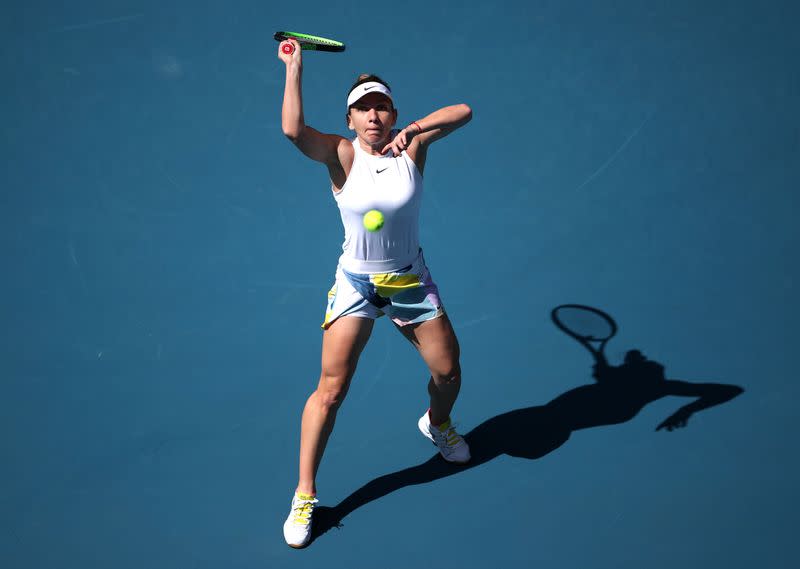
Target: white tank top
392,185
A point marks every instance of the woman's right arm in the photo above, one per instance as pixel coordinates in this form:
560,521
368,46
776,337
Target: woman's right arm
314,144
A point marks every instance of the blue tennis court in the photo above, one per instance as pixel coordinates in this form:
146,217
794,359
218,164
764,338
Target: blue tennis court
167,254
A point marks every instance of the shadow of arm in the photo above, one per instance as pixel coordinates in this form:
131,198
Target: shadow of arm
434,469
708,395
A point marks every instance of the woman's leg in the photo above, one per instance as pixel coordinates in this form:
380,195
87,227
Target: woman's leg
342,345
437,344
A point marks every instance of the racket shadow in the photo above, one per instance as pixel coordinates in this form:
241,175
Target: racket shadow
617,396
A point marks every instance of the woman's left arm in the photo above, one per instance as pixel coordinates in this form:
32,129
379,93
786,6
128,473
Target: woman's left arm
420,133
708,395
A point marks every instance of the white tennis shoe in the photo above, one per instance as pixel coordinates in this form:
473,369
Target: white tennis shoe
452,446
297,528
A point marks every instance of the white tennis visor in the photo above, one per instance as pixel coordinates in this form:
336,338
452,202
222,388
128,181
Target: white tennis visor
365,89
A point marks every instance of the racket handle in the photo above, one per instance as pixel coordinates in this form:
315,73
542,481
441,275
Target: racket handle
287,48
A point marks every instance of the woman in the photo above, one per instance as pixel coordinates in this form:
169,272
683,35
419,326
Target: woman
380,272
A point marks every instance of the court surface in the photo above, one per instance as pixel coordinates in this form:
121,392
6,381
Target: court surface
167,253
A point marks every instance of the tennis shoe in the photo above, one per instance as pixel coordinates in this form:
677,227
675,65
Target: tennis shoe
297,528
452,446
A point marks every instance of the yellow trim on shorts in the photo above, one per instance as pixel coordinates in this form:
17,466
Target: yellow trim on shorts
389,284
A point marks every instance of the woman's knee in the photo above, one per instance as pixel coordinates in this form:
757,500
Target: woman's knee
333,387
448,373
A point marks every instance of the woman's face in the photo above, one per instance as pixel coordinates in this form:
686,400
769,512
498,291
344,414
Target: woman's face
372,118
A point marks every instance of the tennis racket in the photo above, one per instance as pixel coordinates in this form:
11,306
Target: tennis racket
592,327
308,42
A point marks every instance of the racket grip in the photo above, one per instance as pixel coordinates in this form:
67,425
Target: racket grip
287,48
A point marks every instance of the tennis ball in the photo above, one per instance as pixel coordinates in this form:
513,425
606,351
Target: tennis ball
373,220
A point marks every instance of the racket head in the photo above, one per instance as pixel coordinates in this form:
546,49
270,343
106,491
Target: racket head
311,43
586,324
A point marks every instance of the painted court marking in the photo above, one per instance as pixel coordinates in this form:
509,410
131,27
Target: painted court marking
617,153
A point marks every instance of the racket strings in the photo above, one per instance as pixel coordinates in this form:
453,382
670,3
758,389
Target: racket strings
585,323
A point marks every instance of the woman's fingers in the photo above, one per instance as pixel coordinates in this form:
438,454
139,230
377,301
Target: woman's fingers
289,50
399,143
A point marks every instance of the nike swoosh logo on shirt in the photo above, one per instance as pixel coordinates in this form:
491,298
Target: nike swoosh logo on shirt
379,171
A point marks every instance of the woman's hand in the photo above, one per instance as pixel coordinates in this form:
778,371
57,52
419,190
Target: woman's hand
402,140
294,58
677,420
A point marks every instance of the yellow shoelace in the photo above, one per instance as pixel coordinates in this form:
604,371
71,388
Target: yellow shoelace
449,433
453,438
302,512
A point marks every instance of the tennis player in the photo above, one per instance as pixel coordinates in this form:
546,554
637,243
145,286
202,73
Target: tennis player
380,272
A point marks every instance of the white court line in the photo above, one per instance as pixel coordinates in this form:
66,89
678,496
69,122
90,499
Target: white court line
74,258
96,23
72,254
617,153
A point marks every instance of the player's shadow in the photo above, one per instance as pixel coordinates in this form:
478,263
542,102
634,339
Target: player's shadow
618,395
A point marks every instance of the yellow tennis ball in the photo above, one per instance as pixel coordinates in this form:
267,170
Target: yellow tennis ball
373,220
